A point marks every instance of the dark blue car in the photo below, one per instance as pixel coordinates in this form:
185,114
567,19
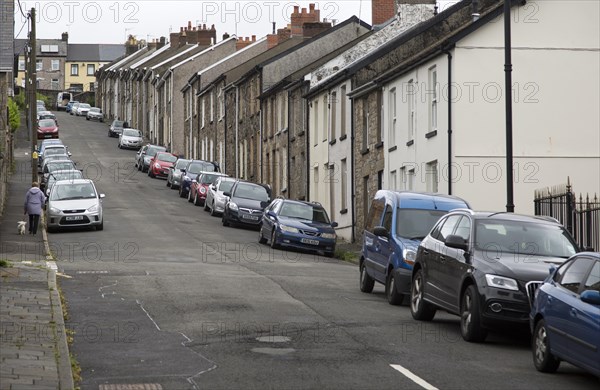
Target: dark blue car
297,224
565,318
191,171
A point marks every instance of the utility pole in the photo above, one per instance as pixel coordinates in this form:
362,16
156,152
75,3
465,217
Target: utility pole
510,204
33,94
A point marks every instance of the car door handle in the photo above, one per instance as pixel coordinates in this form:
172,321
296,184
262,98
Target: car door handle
574,312
443,259
425,252
549,299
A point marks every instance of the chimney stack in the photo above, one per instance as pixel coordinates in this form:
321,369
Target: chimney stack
384,10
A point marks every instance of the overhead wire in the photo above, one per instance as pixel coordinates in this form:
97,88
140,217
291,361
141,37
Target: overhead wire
21,9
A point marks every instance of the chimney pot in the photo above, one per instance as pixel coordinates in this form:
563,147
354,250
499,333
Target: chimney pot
204,26
189,24
253,38
311,6
181,30
296,9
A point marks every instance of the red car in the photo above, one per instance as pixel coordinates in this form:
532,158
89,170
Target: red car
160,164
199,187
47,128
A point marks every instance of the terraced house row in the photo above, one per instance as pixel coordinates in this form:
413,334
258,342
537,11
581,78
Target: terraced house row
415,101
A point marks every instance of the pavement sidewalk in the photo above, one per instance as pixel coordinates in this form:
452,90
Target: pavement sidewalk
33,347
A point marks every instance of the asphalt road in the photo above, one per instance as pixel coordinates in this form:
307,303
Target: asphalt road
166,295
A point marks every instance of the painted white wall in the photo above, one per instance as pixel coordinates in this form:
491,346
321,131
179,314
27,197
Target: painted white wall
319,150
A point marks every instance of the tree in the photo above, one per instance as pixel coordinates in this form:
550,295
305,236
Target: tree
14,117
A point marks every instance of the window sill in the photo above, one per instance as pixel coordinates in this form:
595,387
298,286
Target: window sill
344,211
393,148
333,141
431,134
284,191
277,134
300,134
343,137
379,145
302,198
284,130
410,143
364,151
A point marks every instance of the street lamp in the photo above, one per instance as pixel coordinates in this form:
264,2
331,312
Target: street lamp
510,204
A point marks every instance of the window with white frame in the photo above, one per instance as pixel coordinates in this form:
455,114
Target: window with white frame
283,112
432,176
39,65
333,109
325,120
433,98
344,183
212,105
54,64
393,180
392,117
411,97
74,69
411,179
54,84
203,112
343,110
221,97
91,69
403,179
21,64
316,122
316,174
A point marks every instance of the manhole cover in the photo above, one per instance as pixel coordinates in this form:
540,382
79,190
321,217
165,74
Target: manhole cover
136,386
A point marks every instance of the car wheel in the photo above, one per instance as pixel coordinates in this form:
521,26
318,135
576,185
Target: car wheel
420,309
274,244
261,239
365,281
87,119
189,197
393,297
101,226
213,213
181,194
470,316
168,183
150,173
224,220
206,208
543,359
119,146
329,254
196,200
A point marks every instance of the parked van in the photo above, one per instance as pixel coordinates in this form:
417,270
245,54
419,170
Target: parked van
62,100
395,226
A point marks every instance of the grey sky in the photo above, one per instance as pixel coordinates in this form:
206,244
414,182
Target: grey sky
110,21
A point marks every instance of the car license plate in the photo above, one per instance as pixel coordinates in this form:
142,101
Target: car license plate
250,217
74,218
48,136
309,241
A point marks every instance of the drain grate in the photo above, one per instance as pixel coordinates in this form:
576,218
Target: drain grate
136,386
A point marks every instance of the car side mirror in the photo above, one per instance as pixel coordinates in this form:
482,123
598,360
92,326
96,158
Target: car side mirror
271,214
380,231
213,187
457,242
591,296
102,196
182,170
334,224
69,154
227,194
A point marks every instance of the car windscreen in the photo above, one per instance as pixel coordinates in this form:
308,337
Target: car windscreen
53,151
155,149
84,105
94,109
251,191
166,157
69,175
527,238
226,185
118,124
132,133
208,179
304,211
181,163
195,168
47,123
60,166
72,191
415,224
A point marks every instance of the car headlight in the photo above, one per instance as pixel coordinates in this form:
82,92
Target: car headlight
409,256
93,209
147,160
54,210
203,190
233,206
288,229
329,236
157,165
501,282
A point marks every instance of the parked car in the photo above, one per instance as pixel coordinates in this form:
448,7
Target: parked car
395,225
73,109
485,267
52,166
43,145
175,172
46,115
94,113
82,109
565,319
160,164
199,187
116,128
145,155
297,224
62,100
69,106
130,139
246,204
47,128
62,175
190,172
74,203
215,200
54,150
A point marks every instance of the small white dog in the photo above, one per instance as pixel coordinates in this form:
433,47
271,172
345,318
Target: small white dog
21,227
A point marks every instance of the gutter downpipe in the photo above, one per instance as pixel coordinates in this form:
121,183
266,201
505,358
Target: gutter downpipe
237,125
353,195
449,54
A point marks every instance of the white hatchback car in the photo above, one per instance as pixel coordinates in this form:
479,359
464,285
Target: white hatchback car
74,203
215,200
130,139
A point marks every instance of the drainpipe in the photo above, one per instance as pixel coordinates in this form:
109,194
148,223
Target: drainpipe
307,148
237,125
449,54
287,155
171,114
353,195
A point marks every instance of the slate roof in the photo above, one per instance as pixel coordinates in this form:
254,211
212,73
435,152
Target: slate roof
94,52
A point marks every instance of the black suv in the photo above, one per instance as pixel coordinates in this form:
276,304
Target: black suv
485,267
246,204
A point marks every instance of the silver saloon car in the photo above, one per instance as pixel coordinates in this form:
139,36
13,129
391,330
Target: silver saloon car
174,177
74,203
130,139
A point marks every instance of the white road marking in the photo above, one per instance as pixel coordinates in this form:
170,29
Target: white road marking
148,314
413,377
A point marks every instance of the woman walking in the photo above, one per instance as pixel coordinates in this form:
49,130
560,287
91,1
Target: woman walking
34,202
